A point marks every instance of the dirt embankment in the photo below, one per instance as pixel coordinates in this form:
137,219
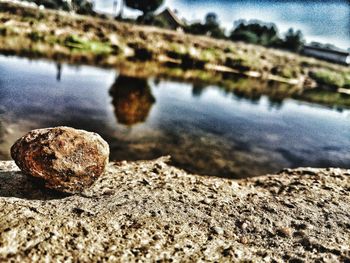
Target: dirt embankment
32,32
153,212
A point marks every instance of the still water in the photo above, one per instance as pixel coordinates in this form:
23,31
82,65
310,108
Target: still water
325,21
204,129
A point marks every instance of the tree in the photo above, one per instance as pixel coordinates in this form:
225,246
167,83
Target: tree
293,40
146,6
256,32
211,19
211,27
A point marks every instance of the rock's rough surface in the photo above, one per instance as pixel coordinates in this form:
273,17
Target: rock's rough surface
68,160
149,211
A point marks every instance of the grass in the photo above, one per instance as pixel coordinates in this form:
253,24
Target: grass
290,72
177,48
332,78
346,80
242,62
210,54
77,43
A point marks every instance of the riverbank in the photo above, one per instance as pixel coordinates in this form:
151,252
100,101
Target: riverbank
151,211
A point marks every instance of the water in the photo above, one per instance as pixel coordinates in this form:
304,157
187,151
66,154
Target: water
323,21
204,129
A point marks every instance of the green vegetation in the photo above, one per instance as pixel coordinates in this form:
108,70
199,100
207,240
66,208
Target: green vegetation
325,97
332,78
266,34
346,80
209,54
77,43
256,32
293,40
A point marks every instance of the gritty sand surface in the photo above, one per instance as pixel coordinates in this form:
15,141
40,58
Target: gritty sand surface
148,211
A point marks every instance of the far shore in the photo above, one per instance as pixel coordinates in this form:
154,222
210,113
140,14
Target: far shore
145,51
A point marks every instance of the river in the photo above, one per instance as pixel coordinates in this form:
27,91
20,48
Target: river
205,129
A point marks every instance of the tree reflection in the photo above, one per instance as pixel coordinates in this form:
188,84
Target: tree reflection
132,99
197,89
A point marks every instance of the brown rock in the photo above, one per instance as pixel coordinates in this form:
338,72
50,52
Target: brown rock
68,160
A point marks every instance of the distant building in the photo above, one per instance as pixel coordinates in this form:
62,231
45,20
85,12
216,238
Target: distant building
329,54
170,20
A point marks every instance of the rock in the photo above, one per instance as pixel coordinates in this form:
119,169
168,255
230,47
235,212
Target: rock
120,219
66,159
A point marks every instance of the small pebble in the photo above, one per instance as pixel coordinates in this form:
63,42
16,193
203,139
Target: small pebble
206,201
218,230
244,225
244,240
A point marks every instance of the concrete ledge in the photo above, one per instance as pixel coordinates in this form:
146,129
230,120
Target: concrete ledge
150,211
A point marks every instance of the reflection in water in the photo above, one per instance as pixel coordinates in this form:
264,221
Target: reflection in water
132,99
59,71
197,89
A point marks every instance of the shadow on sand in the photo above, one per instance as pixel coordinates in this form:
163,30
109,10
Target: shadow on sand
15,184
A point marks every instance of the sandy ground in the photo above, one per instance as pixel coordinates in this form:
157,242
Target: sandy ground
148,211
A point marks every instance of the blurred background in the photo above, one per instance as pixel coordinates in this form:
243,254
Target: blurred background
321,21
227,88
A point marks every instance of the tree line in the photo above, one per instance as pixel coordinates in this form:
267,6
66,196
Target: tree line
253,31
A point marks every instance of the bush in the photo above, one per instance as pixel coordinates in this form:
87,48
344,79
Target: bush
329,78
